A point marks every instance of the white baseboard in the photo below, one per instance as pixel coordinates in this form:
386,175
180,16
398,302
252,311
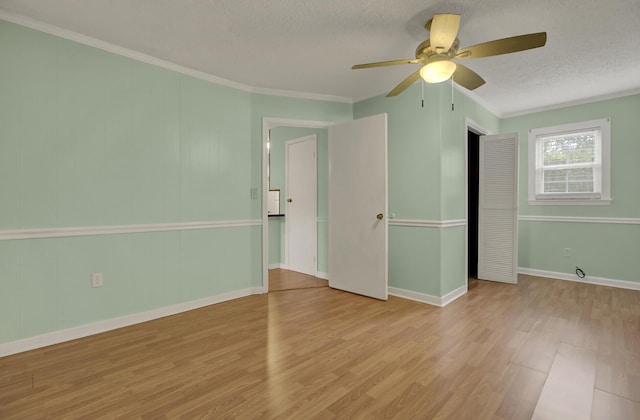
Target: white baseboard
429,299
61,336
601,281
322,275
454,294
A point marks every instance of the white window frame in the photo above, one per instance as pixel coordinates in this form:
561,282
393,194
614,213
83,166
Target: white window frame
604,197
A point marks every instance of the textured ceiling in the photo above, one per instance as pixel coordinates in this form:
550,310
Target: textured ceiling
593,47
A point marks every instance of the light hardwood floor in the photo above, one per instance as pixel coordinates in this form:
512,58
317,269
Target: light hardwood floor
499,352
280,279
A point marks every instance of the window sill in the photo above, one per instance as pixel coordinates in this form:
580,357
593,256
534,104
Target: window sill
570,202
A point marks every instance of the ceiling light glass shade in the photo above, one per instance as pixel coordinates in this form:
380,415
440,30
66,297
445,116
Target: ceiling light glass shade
438,71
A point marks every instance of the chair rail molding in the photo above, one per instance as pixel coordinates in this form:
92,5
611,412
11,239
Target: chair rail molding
61,232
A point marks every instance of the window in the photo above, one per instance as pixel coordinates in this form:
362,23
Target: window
569,164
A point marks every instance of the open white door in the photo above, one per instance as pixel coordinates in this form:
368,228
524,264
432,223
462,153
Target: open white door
498,208
358,206
301,205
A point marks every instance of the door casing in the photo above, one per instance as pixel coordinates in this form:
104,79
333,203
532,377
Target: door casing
470,125
267,124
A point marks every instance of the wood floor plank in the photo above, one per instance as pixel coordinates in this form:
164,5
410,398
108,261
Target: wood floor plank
280,279
568,391
608,406
322,353
521,388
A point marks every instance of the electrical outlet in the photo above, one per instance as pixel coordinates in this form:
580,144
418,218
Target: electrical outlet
97,280
567,252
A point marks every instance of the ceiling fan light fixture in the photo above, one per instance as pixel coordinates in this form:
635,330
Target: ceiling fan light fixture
438,71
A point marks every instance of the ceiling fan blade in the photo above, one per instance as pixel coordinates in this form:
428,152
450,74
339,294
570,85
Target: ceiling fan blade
385,63
504,46
405,84
444,29
467,78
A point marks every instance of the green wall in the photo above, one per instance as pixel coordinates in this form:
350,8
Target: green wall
427,158
413,148
91,139
290,108
295,109
600,249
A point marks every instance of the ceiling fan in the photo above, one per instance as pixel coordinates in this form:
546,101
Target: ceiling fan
437,53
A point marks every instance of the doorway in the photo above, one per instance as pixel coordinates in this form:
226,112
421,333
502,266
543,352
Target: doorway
473,179
492,205
473,131
374,219
293,171
277,275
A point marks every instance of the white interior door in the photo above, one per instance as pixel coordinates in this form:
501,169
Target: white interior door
498,208
301,205
358,206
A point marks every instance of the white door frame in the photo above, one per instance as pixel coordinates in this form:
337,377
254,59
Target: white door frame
267,124
314,138
469,125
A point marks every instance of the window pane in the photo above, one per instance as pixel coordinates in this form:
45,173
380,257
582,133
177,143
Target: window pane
585,187
570,163
568,149
568,180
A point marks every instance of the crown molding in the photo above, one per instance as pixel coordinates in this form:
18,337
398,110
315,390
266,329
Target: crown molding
148,59
504,115
460,89
158,62
301,95
584,101
474,97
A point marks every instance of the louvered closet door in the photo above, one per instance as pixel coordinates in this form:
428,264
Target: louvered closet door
498,208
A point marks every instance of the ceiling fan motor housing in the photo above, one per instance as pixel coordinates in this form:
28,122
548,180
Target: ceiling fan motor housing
427,54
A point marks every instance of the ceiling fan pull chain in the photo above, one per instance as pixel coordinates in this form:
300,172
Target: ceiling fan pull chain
422,91
452,105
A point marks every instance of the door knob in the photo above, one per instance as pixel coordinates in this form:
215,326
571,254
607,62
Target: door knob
380,216
289,200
